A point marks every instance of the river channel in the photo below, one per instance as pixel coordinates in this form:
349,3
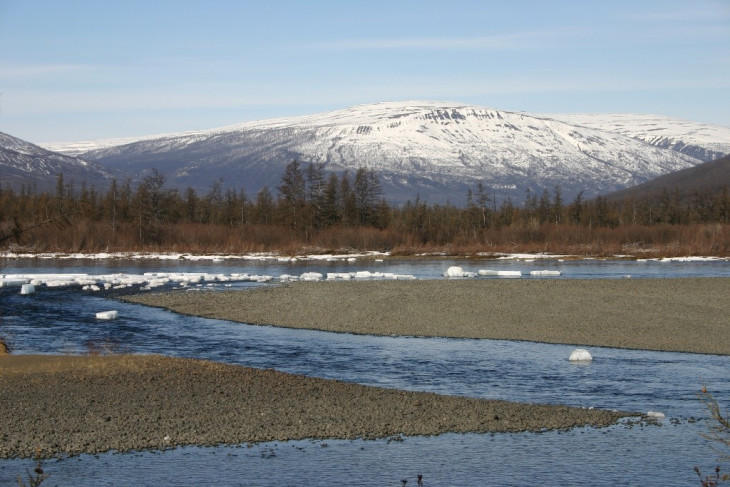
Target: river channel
62,320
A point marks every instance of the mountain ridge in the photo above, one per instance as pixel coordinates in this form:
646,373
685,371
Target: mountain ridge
431,150
435,151
23,164
662,131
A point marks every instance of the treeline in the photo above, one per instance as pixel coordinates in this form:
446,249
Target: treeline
326,211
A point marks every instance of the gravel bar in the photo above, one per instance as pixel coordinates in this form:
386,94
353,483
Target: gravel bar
67,405
679,314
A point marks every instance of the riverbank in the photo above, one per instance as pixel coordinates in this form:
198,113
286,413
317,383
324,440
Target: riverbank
68,405
683,314
315,254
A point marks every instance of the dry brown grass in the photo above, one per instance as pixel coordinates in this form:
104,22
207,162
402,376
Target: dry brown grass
661,240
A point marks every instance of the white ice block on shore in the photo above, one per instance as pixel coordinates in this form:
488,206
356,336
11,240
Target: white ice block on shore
339,275
107,315
27,289
311,276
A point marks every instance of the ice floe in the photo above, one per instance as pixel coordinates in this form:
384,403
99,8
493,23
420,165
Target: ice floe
331,276
153,280
107,315
456,271
13,281
488,272
580,355
685,259
311,276
545,273
27,289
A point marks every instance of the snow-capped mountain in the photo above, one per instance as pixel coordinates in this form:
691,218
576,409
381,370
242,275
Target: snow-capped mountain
699,140
23,163
80,147
435,151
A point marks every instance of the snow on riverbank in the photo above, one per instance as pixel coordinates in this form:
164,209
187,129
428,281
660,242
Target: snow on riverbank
151,280
276,257
178,280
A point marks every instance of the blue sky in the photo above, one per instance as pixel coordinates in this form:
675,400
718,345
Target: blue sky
83,70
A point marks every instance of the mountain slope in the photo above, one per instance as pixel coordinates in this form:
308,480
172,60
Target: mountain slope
711,177
23,163
432,150
699,140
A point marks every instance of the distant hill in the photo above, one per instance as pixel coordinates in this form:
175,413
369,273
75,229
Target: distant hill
23,164
710,176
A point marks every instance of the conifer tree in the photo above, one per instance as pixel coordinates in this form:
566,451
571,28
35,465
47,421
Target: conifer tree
292,195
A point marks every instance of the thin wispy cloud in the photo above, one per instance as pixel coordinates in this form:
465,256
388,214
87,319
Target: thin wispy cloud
520,40
16,71
711,15
443,89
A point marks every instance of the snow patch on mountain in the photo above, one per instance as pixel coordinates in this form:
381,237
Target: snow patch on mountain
78,148
699,140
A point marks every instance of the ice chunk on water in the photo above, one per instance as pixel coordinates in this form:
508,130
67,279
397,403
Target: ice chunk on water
544,273
107,315
456,271
27,289
580,355
487,272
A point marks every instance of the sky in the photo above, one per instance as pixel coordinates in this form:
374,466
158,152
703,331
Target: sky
76,70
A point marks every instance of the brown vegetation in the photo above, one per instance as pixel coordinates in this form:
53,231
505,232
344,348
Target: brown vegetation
314,212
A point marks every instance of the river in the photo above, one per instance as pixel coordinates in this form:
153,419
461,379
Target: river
62,320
